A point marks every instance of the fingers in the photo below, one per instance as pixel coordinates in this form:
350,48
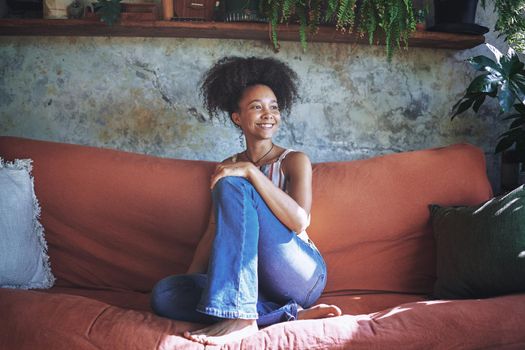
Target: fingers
223,170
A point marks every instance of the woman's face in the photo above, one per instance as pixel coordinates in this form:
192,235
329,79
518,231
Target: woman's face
258,114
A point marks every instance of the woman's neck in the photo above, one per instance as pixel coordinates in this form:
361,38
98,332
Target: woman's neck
259,152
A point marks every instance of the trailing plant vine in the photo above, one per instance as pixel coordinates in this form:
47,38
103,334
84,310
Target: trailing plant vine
393,20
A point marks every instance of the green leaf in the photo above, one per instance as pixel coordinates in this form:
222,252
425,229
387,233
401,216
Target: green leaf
463,106
503,144
517,91
506,97
513,116
520,108
515,66
483,63
520,149
517,123
478,103
519,84
483,83
506,64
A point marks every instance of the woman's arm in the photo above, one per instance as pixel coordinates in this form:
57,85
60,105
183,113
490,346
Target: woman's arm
292,208
199,264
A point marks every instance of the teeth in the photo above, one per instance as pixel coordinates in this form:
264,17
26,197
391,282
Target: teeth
266,125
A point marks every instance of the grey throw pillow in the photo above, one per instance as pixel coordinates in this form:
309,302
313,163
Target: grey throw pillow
23,250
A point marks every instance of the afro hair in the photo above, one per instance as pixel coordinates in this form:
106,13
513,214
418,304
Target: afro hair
223,84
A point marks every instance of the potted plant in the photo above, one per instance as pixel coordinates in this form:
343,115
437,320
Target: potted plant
395,19
421,16
242,10
503,79
107,10
511,21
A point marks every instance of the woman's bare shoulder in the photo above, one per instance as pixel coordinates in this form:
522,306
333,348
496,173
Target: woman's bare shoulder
230,159
296,161
297,157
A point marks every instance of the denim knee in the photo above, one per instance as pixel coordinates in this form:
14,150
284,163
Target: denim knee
228,183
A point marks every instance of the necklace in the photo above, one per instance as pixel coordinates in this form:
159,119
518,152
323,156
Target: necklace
258,160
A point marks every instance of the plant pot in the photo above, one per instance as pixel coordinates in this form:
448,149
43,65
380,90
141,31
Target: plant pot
56,9
456,16
75,9
242,11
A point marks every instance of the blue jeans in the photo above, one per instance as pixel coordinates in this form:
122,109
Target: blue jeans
258,268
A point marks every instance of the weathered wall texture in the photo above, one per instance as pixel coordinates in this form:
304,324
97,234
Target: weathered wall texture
140,95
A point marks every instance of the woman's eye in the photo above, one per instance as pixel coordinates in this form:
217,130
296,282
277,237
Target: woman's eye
275,108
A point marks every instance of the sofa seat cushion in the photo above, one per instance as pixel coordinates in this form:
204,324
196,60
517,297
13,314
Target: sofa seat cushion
350,303
122,298
358,303
365,303
61,321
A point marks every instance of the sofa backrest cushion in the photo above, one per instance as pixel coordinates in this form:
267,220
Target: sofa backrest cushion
370,218
119,220
115,219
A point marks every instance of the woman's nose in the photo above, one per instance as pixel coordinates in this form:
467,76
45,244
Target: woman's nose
267,112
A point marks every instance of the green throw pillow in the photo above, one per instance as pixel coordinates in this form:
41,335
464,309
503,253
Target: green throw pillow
480,250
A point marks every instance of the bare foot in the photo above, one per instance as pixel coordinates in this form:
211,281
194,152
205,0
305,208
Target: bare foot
223,332
319,311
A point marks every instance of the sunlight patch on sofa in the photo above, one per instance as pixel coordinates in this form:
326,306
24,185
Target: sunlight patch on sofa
394,311
433,302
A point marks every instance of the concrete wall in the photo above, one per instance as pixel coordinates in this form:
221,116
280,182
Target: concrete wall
140,95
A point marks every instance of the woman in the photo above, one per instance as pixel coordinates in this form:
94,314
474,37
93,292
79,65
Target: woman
254,265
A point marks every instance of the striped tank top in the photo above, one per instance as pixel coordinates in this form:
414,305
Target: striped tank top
274,172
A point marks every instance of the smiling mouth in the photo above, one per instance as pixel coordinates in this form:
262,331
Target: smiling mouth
265,125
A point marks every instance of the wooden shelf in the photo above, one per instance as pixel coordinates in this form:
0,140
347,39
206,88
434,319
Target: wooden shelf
216,30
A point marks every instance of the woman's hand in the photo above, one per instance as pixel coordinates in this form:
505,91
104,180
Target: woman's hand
242,169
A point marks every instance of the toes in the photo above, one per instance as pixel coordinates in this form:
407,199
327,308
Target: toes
199,338
338,311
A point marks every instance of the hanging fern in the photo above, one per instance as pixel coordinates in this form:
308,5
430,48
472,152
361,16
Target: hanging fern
368,20
314,16
287,7
331,6
303,24
397,21
273,15
395,18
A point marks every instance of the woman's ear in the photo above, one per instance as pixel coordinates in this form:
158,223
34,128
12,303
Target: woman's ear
236,118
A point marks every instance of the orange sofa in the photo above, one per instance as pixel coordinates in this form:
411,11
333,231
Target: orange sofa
117,222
